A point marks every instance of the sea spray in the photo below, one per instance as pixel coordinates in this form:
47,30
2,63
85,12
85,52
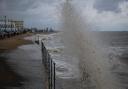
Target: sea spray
79,41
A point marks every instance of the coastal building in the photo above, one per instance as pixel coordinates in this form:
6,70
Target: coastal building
8,26
18,24
11,24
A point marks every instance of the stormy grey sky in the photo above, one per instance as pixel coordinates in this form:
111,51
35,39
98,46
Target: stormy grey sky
108,5
102,14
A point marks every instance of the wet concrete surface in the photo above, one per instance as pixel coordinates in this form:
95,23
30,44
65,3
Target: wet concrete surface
8,78
26,62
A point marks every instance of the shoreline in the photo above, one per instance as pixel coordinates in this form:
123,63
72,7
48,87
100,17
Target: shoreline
13,42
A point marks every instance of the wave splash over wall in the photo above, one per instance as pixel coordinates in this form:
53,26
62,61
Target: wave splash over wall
84,44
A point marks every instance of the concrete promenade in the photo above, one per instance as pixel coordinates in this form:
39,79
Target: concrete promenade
26,61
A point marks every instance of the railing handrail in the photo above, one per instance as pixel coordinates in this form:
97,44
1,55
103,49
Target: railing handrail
49,65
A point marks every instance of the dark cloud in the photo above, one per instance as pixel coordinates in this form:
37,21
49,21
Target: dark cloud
108,5
21,5
15,8
25,9
17,5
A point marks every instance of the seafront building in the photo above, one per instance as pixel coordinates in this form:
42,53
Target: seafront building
10,24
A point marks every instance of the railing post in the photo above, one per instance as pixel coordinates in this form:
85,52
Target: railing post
51,72
42,50
49,66
54,78
38,39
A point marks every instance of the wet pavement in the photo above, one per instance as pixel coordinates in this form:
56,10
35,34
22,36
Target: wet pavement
26,61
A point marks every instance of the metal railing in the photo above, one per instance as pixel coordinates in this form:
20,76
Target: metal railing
49,65
37,39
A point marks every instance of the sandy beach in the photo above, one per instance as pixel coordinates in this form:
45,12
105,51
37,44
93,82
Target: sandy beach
13,42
